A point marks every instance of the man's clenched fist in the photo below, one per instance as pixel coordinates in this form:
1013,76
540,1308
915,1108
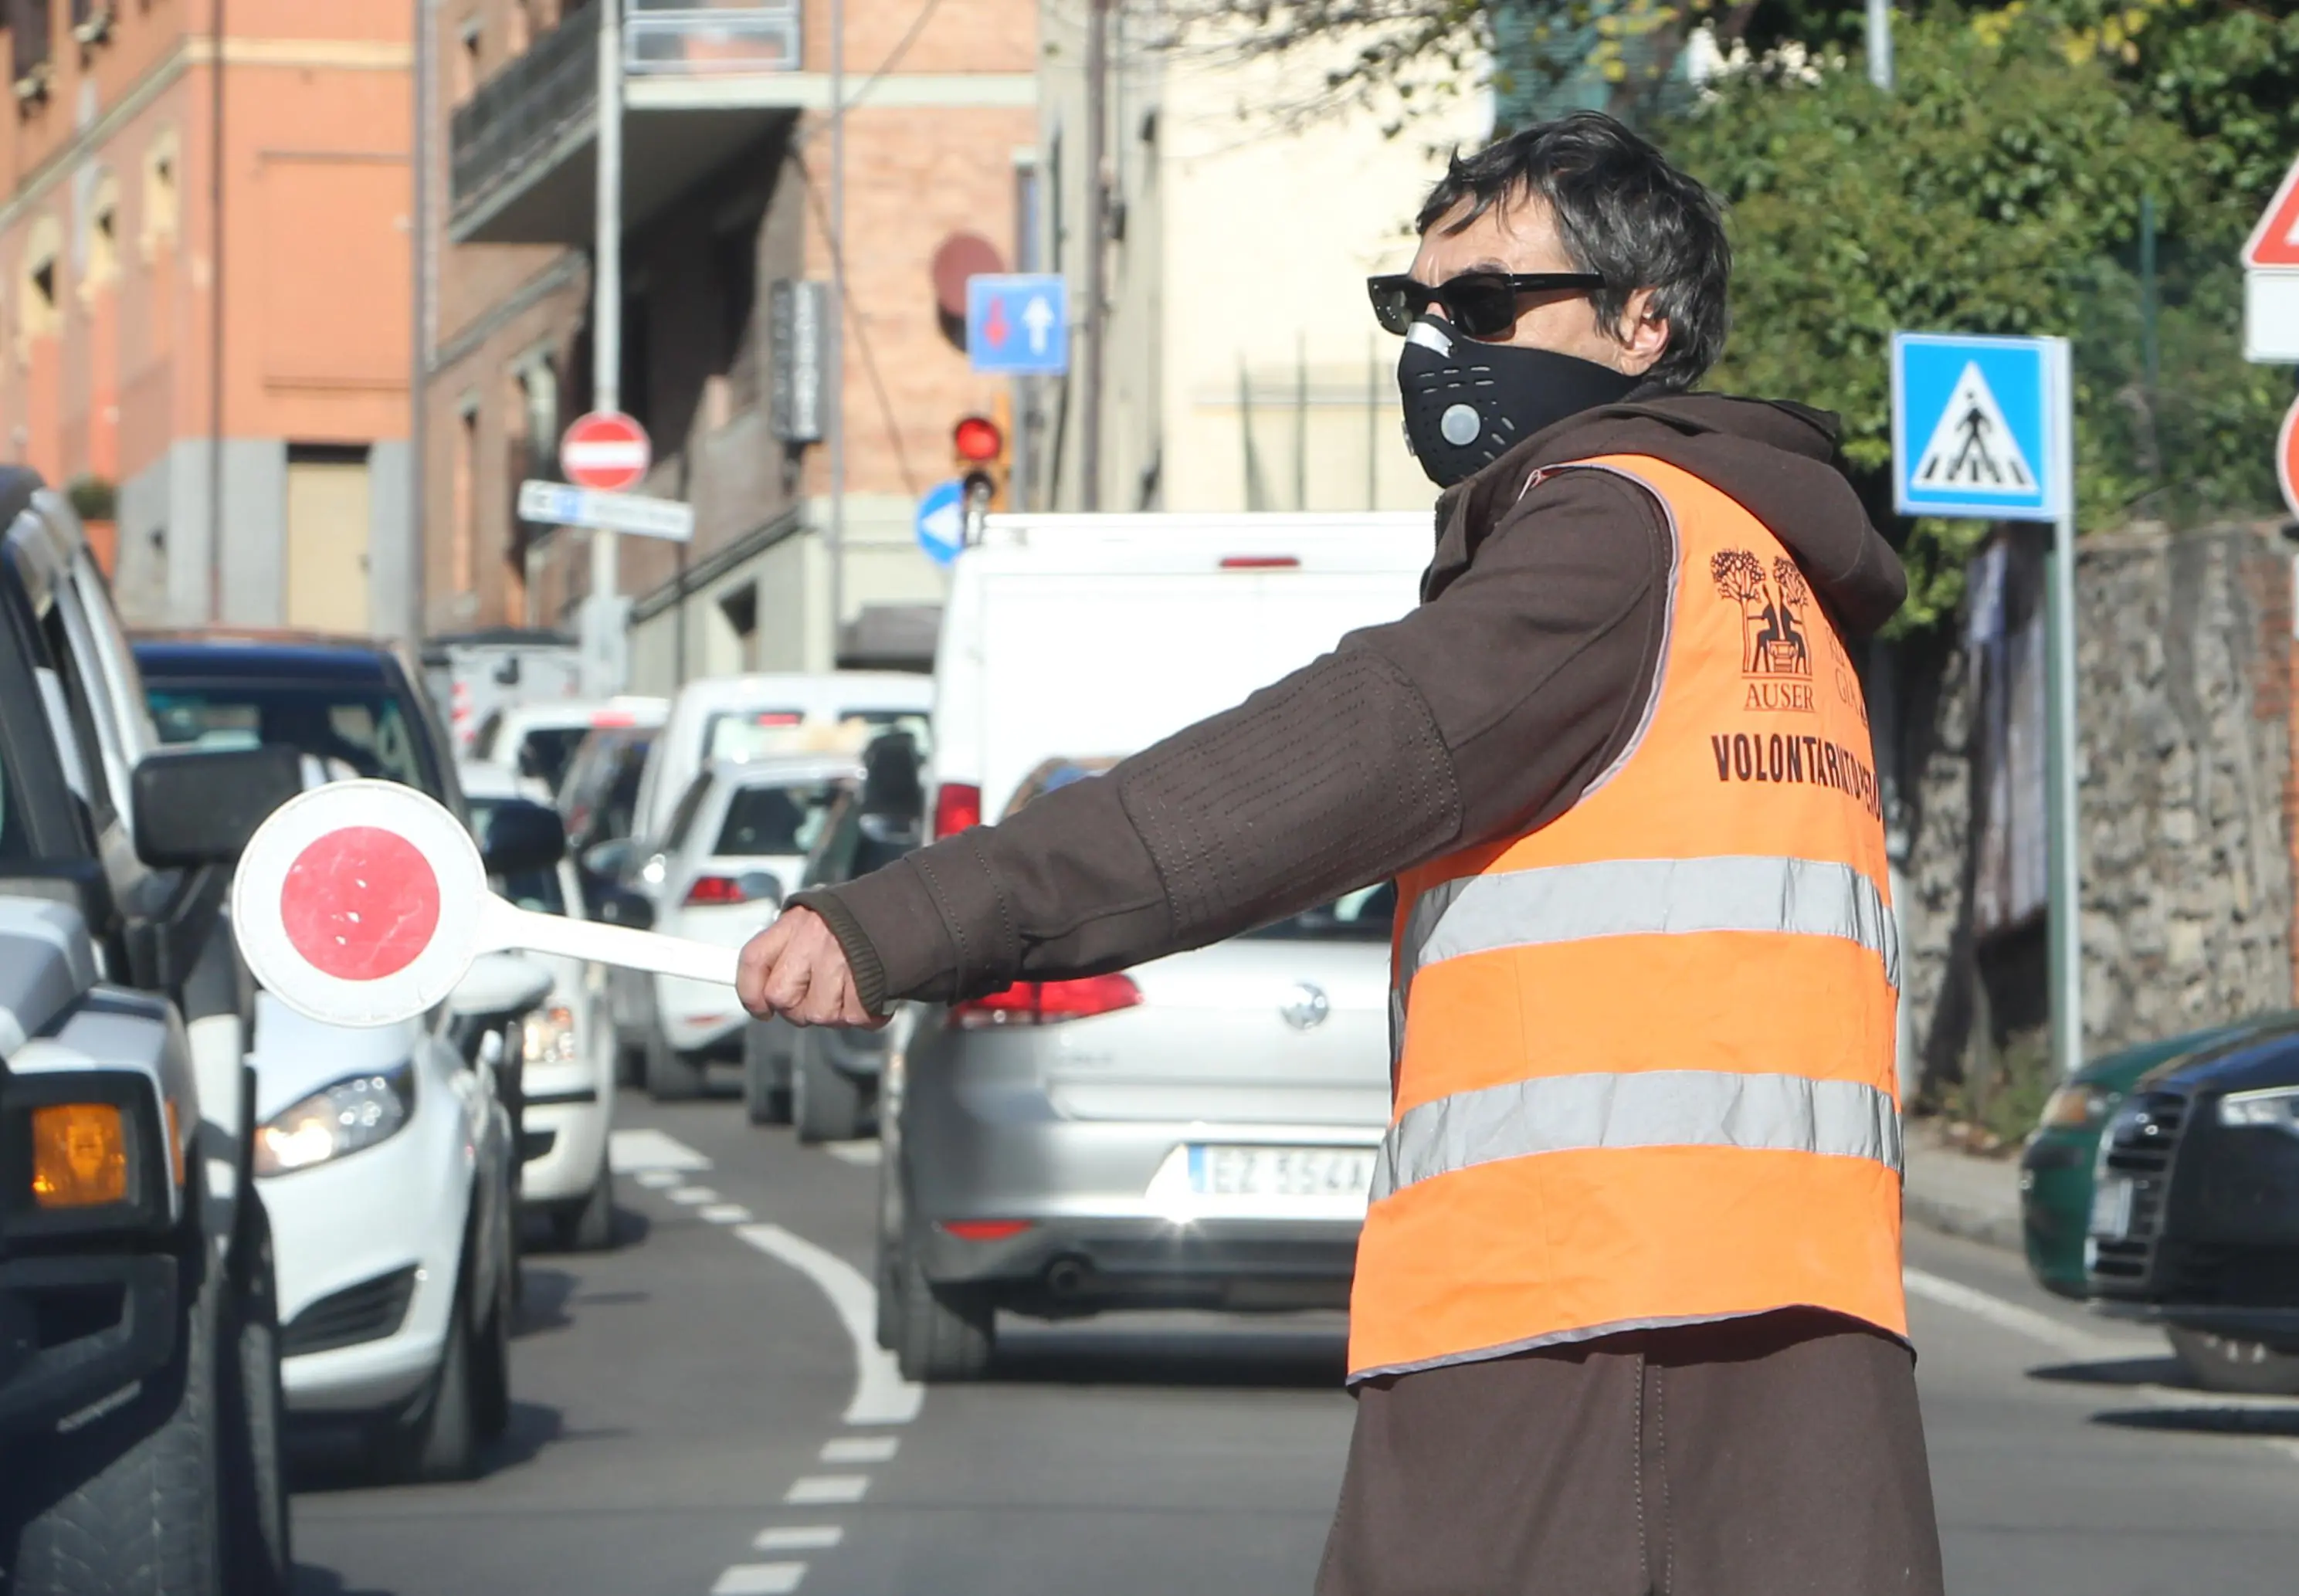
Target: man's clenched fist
795,969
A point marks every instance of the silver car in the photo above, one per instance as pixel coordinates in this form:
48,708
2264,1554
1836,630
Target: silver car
1198,1132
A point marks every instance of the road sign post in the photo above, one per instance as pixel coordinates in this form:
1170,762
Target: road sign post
607,450
1984,428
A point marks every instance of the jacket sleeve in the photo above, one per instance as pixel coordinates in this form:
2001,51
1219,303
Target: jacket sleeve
1483,711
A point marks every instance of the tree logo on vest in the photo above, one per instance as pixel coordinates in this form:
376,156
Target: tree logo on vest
1775,645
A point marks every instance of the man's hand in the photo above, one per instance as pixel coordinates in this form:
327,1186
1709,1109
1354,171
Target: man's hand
795,969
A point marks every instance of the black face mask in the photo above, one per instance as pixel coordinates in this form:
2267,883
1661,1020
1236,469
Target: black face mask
1466,403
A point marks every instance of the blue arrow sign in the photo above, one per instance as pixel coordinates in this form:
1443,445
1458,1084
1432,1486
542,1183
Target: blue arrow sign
1017,324
1981,428
942,521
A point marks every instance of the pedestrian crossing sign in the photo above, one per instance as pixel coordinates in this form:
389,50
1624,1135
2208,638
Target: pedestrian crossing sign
1980,427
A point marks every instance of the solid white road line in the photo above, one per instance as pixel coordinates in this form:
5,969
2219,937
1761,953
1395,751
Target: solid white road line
759,1579
819,1490
2011,1316
646,1148
727,1213
860,1448
881,1394
693,1196
800,1537
855,1153
659,1180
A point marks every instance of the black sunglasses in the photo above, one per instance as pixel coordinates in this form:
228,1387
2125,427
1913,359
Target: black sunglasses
1480,303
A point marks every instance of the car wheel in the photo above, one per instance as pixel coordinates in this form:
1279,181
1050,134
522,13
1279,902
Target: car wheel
671,1076
765,1102
130,1502
590,1228
942,1333
825,1103
438,1439
258,1548
2222,1363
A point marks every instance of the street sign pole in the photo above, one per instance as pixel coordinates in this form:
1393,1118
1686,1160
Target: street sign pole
2062,752
606,655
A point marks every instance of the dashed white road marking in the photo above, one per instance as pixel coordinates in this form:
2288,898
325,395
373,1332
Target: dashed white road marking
856,1153
727,1213
659,1180
2070,1342
881,1394
860,1448
693,1196
816,1489
800,1537
759,1579
646,1148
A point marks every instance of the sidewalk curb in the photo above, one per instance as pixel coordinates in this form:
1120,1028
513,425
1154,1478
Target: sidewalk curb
1956,1219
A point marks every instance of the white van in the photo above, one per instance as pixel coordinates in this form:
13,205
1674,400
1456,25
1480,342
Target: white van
746,717
1091,637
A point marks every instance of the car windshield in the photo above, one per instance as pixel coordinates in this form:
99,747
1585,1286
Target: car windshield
357,730
546,751
536,889
1364,916
774,820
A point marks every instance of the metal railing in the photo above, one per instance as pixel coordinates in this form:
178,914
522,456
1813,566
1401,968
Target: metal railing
670,38
522,111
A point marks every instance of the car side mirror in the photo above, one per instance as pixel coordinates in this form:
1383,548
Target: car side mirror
522,836
194,806
626,909
610,859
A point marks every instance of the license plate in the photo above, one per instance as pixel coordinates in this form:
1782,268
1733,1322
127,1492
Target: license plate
2111,1210
1281,1171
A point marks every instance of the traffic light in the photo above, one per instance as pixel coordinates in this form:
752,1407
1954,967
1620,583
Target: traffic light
978,444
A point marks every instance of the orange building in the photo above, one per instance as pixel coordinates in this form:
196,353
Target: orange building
205,277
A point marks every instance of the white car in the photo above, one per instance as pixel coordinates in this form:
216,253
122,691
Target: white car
735,843
539,739
567,1074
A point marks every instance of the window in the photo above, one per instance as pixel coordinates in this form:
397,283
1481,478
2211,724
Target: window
463,529
536,890
36,292
467,58
358,728
1364,916
32,23
545,752
774,820
681,819
160,210
101,249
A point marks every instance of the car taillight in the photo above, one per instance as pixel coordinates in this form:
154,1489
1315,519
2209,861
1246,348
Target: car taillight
983,1230
1260,562
1046,1002
957,804
718,890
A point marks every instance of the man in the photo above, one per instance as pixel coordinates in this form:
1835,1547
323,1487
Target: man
1628,1315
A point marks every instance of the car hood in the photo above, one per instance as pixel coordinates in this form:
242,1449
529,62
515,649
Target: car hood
294,1057
2263,1055
45,963
2119,1072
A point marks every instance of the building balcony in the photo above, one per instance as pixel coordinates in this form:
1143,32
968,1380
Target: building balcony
701,83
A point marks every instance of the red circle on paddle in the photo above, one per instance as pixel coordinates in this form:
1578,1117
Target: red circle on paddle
360,904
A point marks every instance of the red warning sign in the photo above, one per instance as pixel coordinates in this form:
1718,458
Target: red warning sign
2274,242
2287,458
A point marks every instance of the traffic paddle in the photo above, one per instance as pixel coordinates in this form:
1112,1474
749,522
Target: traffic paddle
363,903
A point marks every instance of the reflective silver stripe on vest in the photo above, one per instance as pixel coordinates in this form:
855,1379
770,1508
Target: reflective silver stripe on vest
1648,897
1660,1108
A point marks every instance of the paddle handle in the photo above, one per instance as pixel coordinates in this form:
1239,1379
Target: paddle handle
507,926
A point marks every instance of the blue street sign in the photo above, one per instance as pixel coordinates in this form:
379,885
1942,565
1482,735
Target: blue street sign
1017,324
1981,428
942,521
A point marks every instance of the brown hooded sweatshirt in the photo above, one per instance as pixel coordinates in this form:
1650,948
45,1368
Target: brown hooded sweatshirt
1486,710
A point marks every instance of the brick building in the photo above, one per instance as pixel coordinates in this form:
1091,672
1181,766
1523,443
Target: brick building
204,273
728,174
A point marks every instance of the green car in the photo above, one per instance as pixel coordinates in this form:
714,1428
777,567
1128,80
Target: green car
2056,1170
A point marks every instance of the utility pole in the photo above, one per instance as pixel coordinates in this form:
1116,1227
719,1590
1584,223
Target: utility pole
1879,44
606,657
835,364
1097,208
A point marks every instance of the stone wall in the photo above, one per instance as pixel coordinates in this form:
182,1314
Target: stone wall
2185,666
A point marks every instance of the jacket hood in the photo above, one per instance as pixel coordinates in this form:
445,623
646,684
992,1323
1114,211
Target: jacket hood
1778,460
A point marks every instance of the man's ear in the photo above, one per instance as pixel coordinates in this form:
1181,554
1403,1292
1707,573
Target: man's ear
1642,334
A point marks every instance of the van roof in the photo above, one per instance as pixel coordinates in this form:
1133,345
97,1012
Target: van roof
900,687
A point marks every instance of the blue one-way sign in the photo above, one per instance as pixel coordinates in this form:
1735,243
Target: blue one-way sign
1980,427
1017,324
941,525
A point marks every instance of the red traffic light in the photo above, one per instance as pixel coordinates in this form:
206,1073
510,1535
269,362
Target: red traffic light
977,438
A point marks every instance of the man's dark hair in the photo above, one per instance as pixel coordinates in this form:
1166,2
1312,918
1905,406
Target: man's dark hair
1624,213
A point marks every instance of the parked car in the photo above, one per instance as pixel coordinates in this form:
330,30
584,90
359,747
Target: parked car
539,739
732,850
389,1157
567,1075
140,1365
824,1078
2195,1214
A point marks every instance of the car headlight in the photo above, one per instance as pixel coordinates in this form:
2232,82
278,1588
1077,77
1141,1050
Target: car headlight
550,1036
345,1118
2075,1107
2274,1107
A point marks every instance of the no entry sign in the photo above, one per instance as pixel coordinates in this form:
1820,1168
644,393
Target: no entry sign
605,450
363,903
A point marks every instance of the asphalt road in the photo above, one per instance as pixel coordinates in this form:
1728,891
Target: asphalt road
693,1417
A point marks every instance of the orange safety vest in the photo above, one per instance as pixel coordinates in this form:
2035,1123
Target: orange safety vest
1645,1068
